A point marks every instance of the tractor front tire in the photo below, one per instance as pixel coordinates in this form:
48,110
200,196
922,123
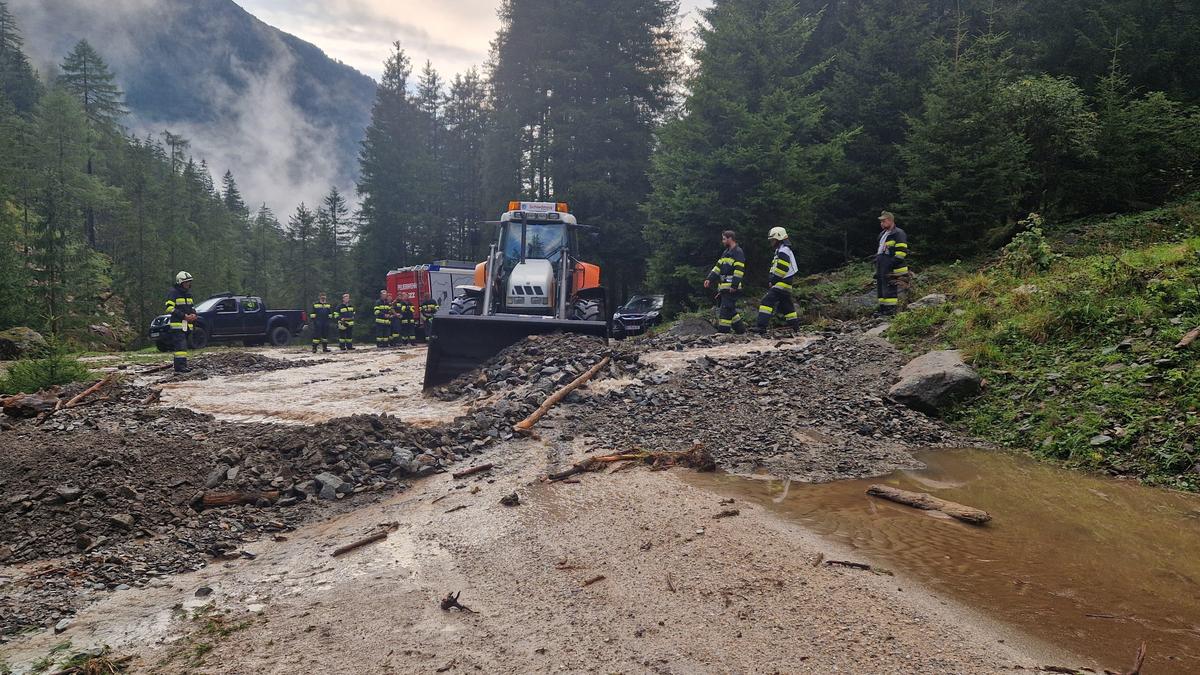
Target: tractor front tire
588,310
466,305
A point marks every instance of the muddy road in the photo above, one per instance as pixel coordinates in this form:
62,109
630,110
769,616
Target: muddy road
110,541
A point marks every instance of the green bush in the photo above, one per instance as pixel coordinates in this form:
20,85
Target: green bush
1028,251
55,367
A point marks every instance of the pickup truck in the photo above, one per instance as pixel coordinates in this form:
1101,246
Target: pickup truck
227,317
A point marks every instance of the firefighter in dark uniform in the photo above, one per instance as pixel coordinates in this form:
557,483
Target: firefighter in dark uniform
778,299
429,307
383,320
891,263
728,275
180,306
322,312
404,323
343,314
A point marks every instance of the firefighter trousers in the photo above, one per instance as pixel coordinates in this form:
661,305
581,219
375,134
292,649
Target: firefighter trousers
345,336
888,293
777,302
320,336
179,344
729,319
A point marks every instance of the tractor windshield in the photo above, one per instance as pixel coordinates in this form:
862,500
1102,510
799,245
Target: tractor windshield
543,241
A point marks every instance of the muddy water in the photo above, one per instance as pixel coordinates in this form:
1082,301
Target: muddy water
1092,565
365,381
670,361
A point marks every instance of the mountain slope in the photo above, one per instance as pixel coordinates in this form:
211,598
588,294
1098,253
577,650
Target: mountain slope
276,110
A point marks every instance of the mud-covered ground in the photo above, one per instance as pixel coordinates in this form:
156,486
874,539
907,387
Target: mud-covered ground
105,505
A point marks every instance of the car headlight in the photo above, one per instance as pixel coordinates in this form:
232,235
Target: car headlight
651,315
616,317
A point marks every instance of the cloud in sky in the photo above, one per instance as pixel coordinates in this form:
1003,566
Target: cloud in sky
453,34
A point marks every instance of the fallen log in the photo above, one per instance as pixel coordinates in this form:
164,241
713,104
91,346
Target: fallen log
381,534
527,423
230,498
473,470
927,502
1189,338
90,390
30,405
696,458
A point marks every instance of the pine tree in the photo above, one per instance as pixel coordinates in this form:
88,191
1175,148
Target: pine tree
87,77
18,83
231,196
966,168
333,233
467,119
749,153
304,255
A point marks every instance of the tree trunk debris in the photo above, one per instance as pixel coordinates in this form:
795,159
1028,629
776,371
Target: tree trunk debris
848,563
230,498
380,535
727,513
527,423
30,405
473,470
598,577
697,458
928,502
108,379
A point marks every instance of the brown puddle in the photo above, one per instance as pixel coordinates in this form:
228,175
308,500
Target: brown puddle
1090,564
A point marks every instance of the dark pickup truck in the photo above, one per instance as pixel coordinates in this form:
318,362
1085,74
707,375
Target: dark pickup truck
227,317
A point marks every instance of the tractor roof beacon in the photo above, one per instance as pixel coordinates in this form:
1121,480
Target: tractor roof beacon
531,283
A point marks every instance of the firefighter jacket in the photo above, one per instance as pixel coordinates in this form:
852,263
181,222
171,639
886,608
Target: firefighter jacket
729,270
892,255
179,305
429,308
322,311
783,267
344,315
404,311
383,312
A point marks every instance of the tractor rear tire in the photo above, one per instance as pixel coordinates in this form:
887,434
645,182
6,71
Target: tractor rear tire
588,310
466,305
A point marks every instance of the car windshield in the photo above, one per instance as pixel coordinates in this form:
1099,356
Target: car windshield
643,303
208,305
542,241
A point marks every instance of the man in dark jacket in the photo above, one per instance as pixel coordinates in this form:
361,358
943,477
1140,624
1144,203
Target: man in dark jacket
728,274
344,315
891,262
322,312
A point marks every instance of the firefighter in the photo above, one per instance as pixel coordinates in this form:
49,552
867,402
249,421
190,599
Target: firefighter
344,315
778,299
383,320
429,309
322,311
404,322
183,314
891,263
728,274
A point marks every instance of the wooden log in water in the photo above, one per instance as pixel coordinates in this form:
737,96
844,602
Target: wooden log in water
927,502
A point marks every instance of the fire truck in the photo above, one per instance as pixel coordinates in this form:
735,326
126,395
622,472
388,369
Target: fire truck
438,280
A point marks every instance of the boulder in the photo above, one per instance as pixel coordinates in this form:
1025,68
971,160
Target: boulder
16,343
931,382
931,300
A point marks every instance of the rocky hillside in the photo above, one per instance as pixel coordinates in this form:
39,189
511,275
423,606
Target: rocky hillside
271,107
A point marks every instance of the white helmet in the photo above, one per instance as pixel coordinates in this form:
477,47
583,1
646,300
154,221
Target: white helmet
182,277
777,234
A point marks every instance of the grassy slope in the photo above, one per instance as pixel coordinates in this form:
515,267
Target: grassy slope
1081,350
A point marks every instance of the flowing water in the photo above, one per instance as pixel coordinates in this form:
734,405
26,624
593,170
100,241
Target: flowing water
1090,564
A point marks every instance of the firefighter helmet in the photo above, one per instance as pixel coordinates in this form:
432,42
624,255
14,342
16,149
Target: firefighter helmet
182,277
777,234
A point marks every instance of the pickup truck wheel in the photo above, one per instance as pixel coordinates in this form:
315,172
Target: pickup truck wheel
199,338
280,336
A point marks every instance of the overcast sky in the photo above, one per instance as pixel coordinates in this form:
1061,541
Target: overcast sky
454,34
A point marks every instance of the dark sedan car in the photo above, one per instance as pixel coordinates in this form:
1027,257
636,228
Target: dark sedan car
637,315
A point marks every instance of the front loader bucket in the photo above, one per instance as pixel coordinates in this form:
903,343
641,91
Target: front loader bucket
462,342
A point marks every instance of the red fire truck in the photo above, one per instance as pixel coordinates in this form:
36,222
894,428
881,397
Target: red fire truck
438,280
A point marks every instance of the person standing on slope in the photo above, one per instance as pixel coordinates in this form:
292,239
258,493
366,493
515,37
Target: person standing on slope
891,262
728,274
344,315
322,312
778,299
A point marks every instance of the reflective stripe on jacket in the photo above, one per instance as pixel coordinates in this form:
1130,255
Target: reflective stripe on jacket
729,270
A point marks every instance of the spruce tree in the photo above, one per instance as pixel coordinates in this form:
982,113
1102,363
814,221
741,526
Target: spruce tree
748,154
18,83
87,77
231,196
466,118
966,168
304,254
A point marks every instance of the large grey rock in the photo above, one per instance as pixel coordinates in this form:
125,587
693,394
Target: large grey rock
931,300
932,382
20,342
216,476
